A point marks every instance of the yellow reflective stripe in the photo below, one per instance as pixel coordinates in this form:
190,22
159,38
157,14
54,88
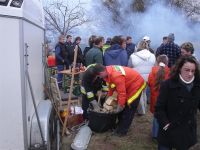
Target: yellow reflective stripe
83,90
121,69
90,94
112,86
135,96
105,88
91,65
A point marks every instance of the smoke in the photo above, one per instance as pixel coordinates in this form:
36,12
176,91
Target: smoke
157,21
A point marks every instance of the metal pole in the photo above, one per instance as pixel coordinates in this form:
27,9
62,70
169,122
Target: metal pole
35,108
31,90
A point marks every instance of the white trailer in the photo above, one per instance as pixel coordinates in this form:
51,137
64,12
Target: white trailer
22,50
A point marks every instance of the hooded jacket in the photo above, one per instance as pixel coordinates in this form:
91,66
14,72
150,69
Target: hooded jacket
115,55
142,61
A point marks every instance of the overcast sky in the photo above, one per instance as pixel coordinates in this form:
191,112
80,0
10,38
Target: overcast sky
71,1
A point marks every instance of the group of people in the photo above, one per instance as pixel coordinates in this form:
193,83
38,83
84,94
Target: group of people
170,74
64,53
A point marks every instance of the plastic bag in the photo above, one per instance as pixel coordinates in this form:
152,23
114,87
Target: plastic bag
141,110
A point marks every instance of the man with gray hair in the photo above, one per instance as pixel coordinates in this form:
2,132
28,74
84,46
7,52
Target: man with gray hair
170,49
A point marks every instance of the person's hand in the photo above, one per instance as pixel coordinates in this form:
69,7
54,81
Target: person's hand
118,109
104,94
95,105
101,94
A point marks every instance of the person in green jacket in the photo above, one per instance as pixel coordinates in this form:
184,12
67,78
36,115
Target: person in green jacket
106,45
95,55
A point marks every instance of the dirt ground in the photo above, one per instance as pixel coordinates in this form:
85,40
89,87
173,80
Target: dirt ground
138,138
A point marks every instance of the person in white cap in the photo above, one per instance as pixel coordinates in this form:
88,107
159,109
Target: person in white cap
147,39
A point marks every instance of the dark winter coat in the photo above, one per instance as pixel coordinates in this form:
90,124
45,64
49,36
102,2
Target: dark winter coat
70,50
90,83
172,51
85,52
130,48
94,55
177,106
115,55
62,56
80,58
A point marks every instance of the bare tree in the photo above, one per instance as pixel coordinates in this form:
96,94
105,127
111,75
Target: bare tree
190,7
113,6
60,17
138,6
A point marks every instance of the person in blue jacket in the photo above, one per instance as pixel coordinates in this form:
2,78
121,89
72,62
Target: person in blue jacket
62,58
116,54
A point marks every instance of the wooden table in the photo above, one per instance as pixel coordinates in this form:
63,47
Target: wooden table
69,72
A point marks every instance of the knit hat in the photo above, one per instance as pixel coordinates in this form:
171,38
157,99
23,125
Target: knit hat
171,36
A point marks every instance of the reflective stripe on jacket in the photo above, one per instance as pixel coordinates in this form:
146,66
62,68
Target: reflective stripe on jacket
126,81
90,94
135,96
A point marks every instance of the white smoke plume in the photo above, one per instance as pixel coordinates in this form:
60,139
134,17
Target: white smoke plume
157,21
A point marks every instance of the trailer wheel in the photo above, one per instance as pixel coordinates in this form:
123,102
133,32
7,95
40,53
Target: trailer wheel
54,133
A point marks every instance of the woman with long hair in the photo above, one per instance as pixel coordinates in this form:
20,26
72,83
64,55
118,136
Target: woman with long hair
177,104
158,74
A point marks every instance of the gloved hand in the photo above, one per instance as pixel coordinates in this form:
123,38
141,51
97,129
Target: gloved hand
118,109
95,105
104,94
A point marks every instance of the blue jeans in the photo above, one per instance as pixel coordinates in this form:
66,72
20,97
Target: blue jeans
60,75
148,94
155,128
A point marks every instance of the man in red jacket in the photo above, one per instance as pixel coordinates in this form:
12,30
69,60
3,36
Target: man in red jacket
129,85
